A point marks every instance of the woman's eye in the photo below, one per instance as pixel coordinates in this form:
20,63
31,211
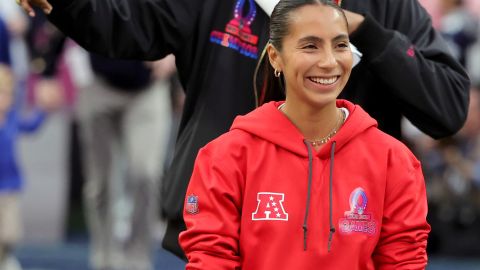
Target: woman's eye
343,45
309,46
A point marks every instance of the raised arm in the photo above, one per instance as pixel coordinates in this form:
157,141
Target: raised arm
139,29
408,56
28,6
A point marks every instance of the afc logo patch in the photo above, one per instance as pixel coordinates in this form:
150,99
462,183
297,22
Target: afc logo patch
270,207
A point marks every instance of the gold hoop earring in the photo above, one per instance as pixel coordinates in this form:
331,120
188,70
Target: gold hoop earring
277,73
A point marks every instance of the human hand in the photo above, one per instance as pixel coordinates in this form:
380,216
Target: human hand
18,25
354,20
28,5
49,94
164,68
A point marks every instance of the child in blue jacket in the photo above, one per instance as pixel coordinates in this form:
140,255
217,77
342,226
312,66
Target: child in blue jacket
11,125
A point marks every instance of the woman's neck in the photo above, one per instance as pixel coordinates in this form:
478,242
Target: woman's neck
316,125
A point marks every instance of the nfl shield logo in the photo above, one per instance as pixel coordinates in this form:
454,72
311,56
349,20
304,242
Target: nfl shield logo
191,207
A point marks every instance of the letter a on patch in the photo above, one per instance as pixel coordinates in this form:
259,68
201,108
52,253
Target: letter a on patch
270,207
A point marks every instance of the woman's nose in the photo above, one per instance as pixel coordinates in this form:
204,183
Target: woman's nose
327,59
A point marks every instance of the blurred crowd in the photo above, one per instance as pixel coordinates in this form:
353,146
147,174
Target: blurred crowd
103,104
121,120
452,165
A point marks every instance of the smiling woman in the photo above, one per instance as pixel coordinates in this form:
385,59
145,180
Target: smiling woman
316,63
406,69
272,175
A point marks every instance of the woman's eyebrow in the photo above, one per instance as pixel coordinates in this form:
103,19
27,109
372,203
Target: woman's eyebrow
316,39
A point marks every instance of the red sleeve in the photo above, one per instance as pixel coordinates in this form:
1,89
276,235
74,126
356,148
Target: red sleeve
212,214
404,232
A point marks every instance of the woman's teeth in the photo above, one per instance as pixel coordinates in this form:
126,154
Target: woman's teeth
324,80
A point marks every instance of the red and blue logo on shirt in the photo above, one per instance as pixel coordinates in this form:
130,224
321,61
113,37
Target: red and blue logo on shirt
191,206
238,34
357,219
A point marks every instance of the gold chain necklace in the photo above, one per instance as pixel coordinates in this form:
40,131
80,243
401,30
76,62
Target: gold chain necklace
334,131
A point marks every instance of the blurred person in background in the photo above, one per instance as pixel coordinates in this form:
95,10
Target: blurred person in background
13,122
459,27
9,199
125,118
18,24
9,181
406,68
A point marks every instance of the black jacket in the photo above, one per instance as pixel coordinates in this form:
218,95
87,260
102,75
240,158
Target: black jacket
405,70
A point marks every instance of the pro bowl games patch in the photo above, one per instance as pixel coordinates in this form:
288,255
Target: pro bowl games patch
358,219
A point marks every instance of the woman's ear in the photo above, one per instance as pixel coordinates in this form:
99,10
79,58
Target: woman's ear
274,57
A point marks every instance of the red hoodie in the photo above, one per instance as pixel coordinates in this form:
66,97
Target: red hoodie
260,198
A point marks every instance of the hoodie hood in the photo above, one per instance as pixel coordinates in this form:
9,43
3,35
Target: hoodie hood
270,124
